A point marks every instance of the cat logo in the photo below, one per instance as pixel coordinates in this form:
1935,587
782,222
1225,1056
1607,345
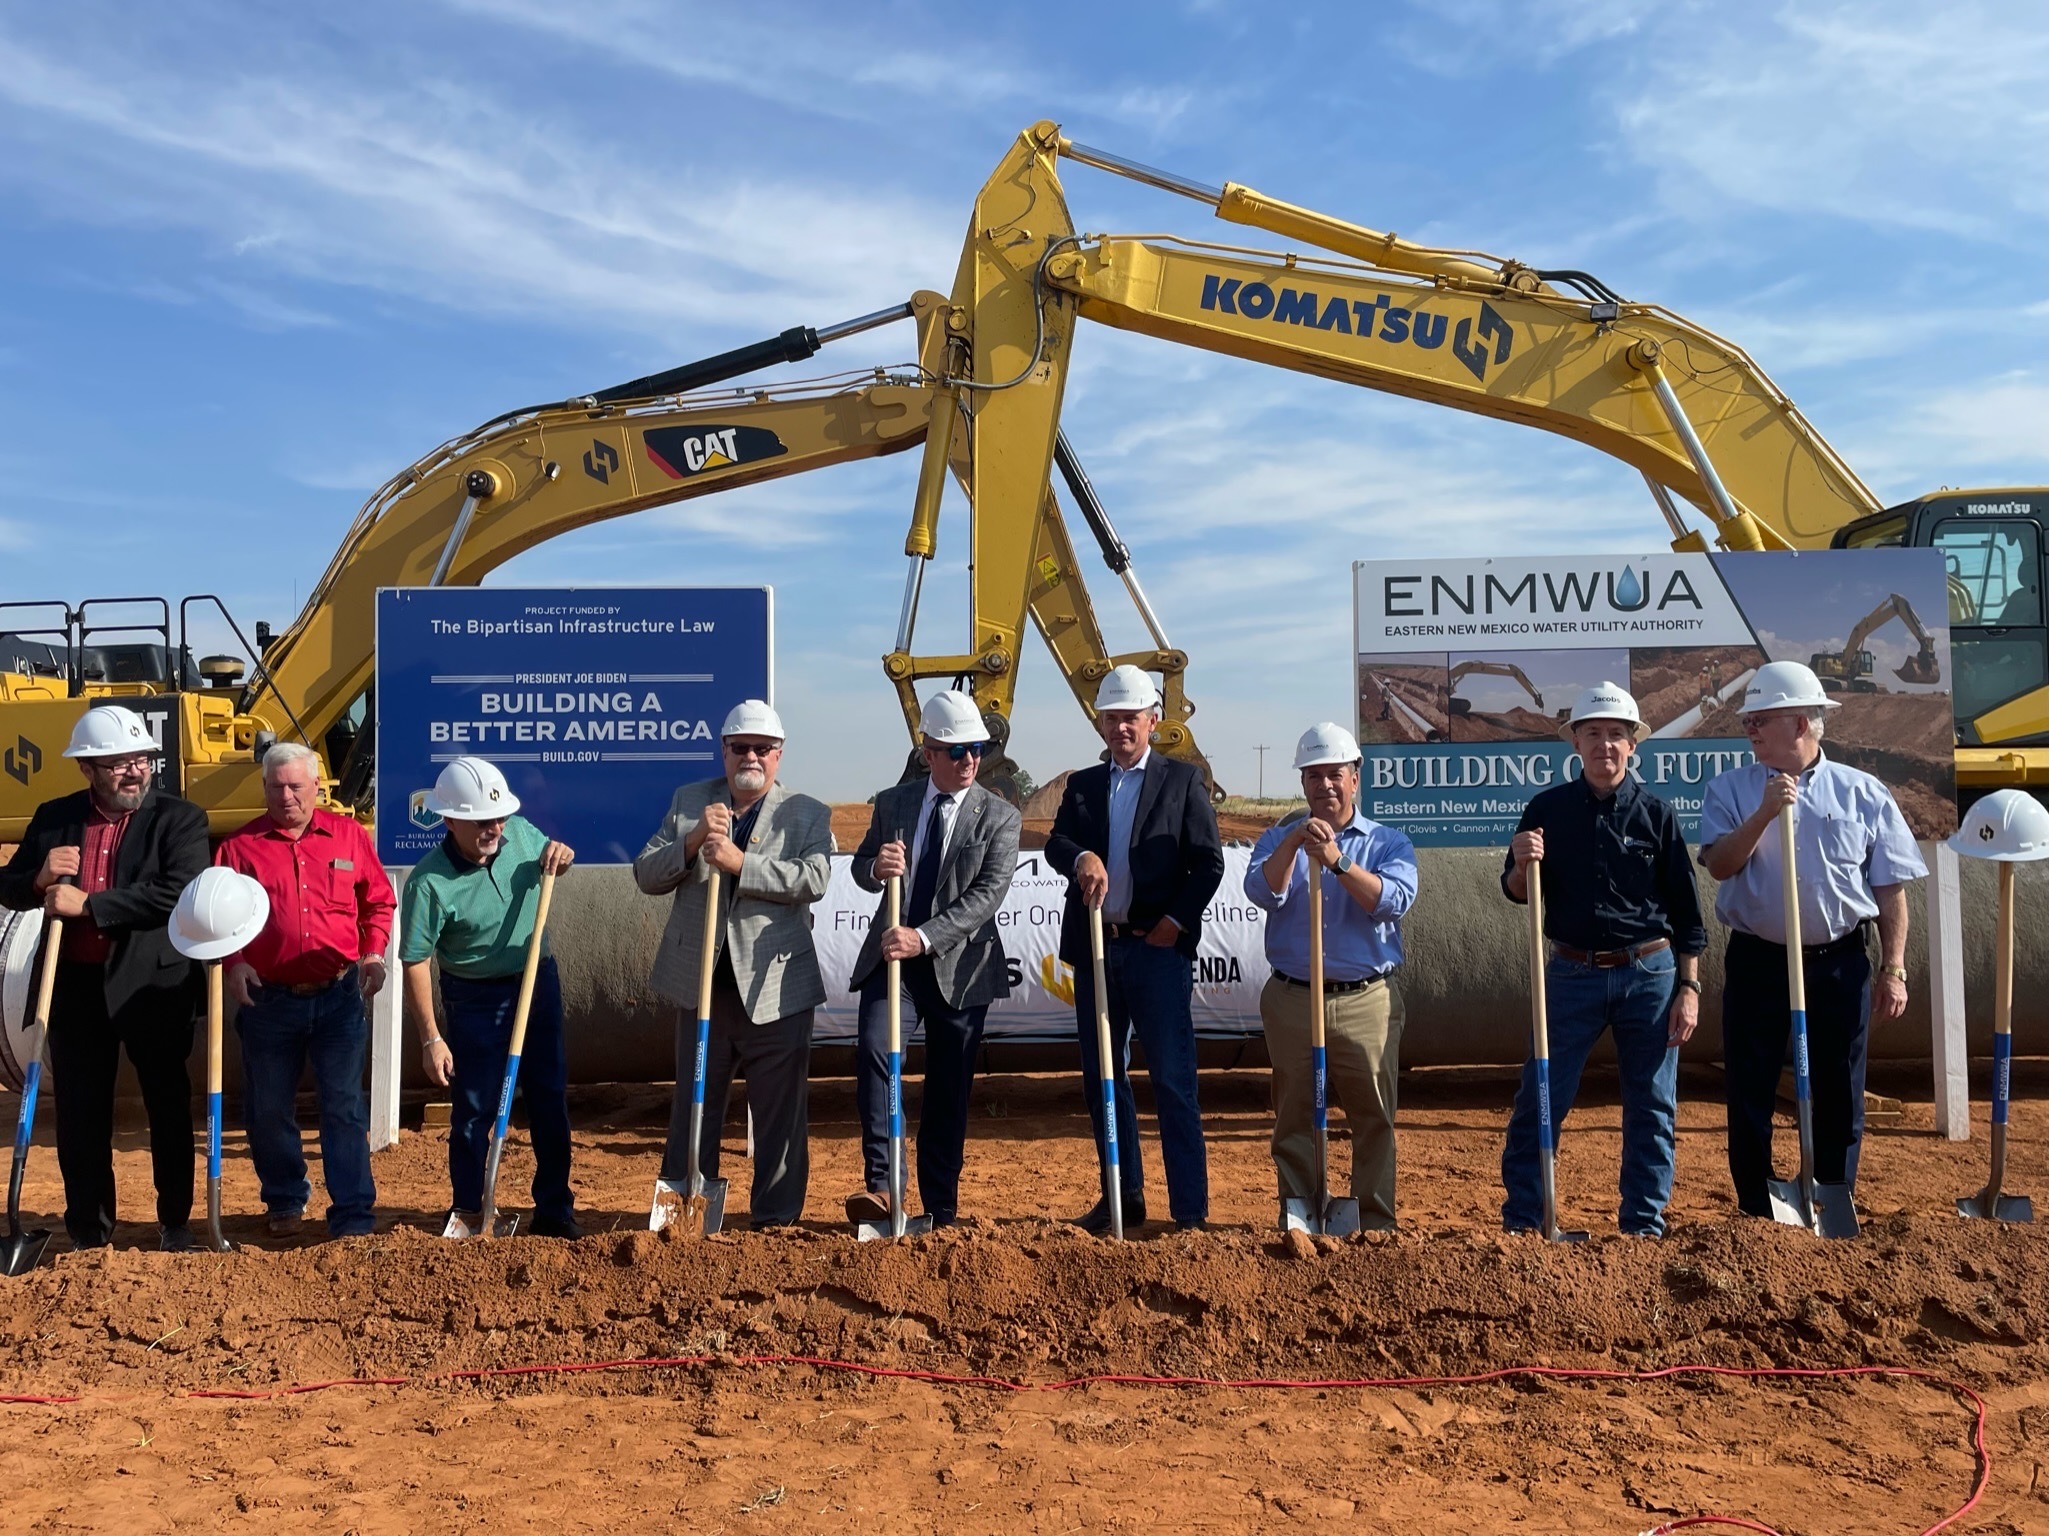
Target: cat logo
684,452
1057,977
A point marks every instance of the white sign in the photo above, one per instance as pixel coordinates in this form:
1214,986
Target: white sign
1563,602
1230,965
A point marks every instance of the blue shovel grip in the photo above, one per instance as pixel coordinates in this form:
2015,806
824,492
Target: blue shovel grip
1801,1088
1110,1123
24,1124
1547,1138
1316,1072
505,1097
213,1135
2002,1076
896,1094
697,1072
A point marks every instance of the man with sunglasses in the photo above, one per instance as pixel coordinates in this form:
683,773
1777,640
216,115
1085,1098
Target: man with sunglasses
769,850
110,861
957,843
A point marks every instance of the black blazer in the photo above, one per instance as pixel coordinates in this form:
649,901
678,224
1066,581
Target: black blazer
1177,857
162,852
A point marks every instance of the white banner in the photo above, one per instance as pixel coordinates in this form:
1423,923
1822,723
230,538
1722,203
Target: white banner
1230,965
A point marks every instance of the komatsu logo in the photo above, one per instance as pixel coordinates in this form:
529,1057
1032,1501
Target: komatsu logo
1380,320
681,452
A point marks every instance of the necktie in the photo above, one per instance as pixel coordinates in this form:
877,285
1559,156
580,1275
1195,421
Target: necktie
925,879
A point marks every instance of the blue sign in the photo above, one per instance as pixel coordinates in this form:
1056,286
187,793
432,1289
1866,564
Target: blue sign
596,702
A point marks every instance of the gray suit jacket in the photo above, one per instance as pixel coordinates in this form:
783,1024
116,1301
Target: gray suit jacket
767,929
981,856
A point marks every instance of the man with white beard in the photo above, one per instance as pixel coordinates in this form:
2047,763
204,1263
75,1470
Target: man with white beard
768,850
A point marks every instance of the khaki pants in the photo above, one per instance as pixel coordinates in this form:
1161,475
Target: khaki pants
1363,1037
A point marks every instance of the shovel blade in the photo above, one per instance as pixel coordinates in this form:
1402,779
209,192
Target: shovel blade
1561,1235
1788,1209
1341,1216
467,1224
875,1231
1978,1207
1835,1213
23,1251
1300,1216
691,1216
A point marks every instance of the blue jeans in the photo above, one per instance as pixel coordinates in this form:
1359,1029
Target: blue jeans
478,1026
280,1034
1634,1001
1149,991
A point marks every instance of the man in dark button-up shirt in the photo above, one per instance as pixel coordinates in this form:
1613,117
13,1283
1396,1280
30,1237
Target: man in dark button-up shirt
1623,917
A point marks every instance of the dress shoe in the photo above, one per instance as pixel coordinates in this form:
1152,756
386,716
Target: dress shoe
1097,1222
556,1226
869,1205
1198,1224
176,1240
284,1223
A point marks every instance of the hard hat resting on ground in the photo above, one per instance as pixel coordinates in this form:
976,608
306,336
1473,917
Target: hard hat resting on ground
751,717
108,730
2009,825
471,789
1608,701
1785,685
217,914
950,717
1127,687
1326,743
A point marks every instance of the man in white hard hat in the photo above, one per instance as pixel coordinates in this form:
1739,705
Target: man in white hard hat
1853,856
957,846
1369,880
770,851
1622,914
110,861
301,986
1137,837
470,905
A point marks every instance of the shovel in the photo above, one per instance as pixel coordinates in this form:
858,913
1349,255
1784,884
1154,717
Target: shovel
1113,1175
23,1251
487,1222
1989,1204
1824,1209
1540,1045
218,1243
1334,1217
898,1225
697,1206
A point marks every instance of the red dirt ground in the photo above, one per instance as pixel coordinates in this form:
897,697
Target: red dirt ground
1015,1294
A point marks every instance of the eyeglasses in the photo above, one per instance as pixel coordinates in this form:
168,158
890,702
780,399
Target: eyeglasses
112,765
960,750
761,749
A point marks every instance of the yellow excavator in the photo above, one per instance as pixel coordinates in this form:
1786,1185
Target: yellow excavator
1465,669
1850,668
474,503
1555,349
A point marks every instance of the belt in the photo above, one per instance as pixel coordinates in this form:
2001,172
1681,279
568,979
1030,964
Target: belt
1855,937
1608,959
1127,930
313,988
1339,987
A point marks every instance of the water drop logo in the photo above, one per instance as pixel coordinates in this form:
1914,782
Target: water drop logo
1626,594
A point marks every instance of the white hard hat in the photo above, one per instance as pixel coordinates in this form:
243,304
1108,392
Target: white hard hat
1127,687
1608,701
751,717
218,914
470,789
108,730
1326,743
2009,825
950,717
1785,685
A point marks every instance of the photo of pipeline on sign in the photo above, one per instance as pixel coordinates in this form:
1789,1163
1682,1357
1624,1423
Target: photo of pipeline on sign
596,702
1469,670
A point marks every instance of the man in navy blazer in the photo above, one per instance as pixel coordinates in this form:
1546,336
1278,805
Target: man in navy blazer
1137,837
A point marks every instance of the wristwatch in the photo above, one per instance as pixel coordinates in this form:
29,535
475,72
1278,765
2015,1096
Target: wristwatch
1689,983
1343,866
1899,972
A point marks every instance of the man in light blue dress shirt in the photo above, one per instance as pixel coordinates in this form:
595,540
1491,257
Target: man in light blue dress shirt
1369,878
1853,853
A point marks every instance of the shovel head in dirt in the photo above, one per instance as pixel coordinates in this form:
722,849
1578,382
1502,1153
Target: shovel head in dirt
699,1215
1987,1205
1338,1218
1827,1209
462,1224
22,1251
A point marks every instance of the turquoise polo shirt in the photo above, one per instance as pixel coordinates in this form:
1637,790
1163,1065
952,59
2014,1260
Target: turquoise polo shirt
476,919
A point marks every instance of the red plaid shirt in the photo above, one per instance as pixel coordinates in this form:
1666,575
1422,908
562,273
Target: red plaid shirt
330,901
103,833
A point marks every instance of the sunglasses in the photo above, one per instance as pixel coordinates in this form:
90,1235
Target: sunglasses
961,750
761,749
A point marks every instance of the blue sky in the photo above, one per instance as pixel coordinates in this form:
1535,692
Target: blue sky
259,258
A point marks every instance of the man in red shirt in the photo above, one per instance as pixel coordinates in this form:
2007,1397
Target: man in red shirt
302,984
110,861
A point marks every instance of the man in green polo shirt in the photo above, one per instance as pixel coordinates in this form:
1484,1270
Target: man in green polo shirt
470,904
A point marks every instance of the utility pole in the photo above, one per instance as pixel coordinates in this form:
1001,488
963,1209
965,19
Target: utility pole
1262,770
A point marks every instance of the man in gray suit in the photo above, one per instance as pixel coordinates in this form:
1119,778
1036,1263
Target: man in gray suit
958,843
768,850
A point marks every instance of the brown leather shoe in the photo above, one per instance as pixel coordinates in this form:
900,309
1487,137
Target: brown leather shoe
869,1205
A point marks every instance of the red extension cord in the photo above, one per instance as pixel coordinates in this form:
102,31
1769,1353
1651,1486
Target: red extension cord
1003,1384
